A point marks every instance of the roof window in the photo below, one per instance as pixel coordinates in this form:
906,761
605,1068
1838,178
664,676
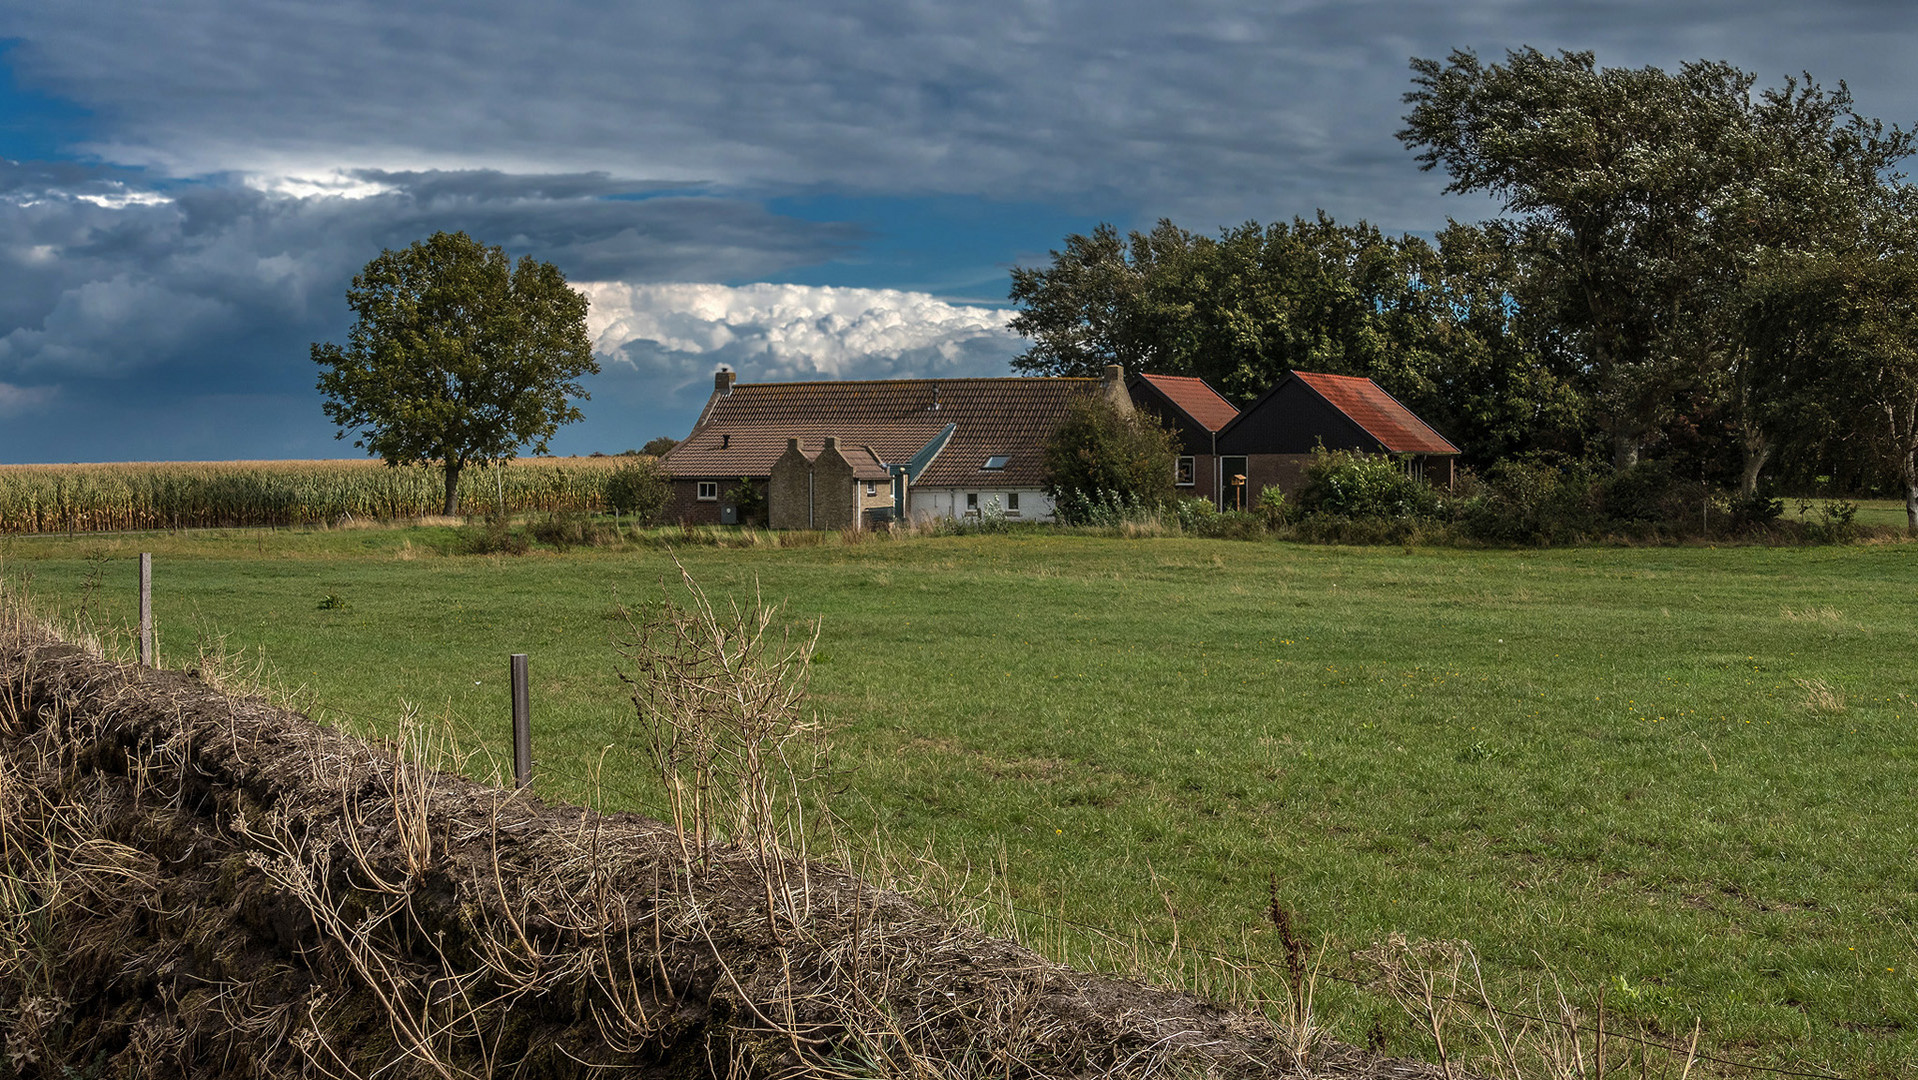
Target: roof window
996,462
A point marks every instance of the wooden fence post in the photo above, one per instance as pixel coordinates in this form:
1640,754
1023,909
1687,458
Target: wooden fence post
146,609
522,726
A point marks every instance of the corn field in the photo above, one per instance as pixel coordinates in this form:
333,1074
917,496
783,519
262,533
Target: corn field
192,495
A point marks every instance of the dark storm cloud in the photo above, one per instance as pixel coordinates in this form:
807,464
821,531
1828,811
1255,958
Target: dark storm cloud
191,248
112,286
1220,109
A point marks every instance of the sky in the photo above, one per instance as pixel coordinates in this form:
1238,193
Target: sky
810,190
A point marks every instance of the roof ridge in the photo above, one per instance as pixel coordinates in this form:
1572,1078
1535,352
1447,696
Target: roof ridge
929,378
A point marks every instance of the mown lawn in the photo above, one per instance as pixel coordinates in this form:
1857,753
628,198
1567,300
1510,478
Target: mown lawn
1683,776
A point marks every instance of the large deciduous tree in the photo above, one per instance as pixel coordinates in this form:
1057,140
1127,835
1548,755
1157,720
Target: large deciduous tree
1643,199
457,357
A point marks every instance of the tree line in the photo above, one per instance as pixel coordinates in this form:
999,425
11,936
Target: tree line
1691,271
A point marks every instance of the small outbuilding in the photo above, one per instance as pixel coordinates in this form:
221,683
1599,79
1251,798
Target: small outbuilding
1195,414
1270,442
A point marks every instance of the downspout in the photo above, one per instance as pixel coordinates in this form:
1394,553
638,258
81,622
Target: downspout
811,480
1217,472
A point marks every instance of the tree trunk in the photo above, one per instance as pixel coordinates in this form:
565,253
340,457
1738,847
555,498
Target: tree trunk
1757,453
452,486
1911,492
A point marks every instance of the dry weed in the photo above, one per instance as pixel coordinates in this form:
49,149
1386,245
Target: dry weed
1821,696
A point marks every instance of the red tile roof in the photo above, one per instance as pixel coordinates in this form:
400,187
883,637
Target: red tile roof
744,432
1379,413
1195,398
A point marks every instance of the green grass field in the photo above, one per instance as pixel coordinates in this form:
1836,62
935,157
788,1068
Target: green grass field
1683,776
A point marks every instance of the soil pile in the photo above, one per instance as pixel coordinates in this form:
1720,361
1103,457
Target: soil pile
200,884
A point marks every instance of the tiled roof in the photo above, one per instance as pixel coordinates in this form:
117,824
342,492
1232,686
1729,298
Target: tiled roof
1195,398
734,450
865,461
1379,413
744,432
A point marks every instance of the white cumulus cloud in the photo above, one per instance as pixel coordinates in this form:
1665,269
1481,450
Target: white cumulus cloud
770,332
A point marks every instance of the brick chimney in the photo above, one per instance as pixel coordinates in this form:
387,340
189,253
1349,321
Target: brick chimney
723,382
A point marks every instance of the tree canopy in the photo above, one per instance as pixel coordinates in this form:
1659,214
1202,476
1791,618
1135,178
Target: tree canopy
458,356
1690,267
1434,323
1642,199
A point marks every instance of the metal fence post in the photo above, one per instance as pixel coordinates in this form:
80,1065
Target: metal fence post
522,726
146,609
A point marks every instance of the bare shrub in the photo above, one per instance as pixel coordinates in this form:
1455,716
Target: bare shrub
720,700
1441,987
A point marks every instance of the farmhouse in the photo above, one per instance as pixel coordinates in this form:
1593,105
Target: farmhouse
836,454
832,455
1271,440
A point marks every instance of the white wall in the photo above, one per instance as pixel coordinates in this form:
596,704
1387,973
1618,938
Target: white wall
1034,505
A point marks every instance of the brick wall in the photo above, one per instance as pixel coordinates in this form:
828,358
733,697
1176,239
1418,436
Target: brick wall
788,504
832,492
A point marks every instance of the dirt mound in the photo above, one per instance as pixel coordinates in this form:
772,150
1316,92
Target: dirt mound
198,884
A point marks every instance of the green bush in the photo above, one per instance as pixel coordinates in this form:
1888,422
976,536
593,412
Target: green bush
492,535
1341,484
1098,451
564,529
1193,514
1644,492
1273,509
1531,502
1756,510
749,500
640,489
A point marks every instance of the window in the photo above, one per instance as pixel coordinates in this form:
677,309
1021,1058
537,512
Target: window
1012,504
709,490
996,462
972,503
1185,472
872,489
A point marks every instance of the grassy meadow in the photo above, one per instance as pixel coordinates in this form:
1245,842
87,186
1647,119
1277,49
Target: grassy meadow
1681,777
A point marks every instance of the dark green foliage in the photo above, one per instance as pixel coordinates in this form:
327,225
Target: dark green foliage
565,529
658,446
1530,502
1273,508
750,499
1843,325
492,535
457,356
1346,485
640,489
1434,324
1645,492
1641,199
1101,454
1755,510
